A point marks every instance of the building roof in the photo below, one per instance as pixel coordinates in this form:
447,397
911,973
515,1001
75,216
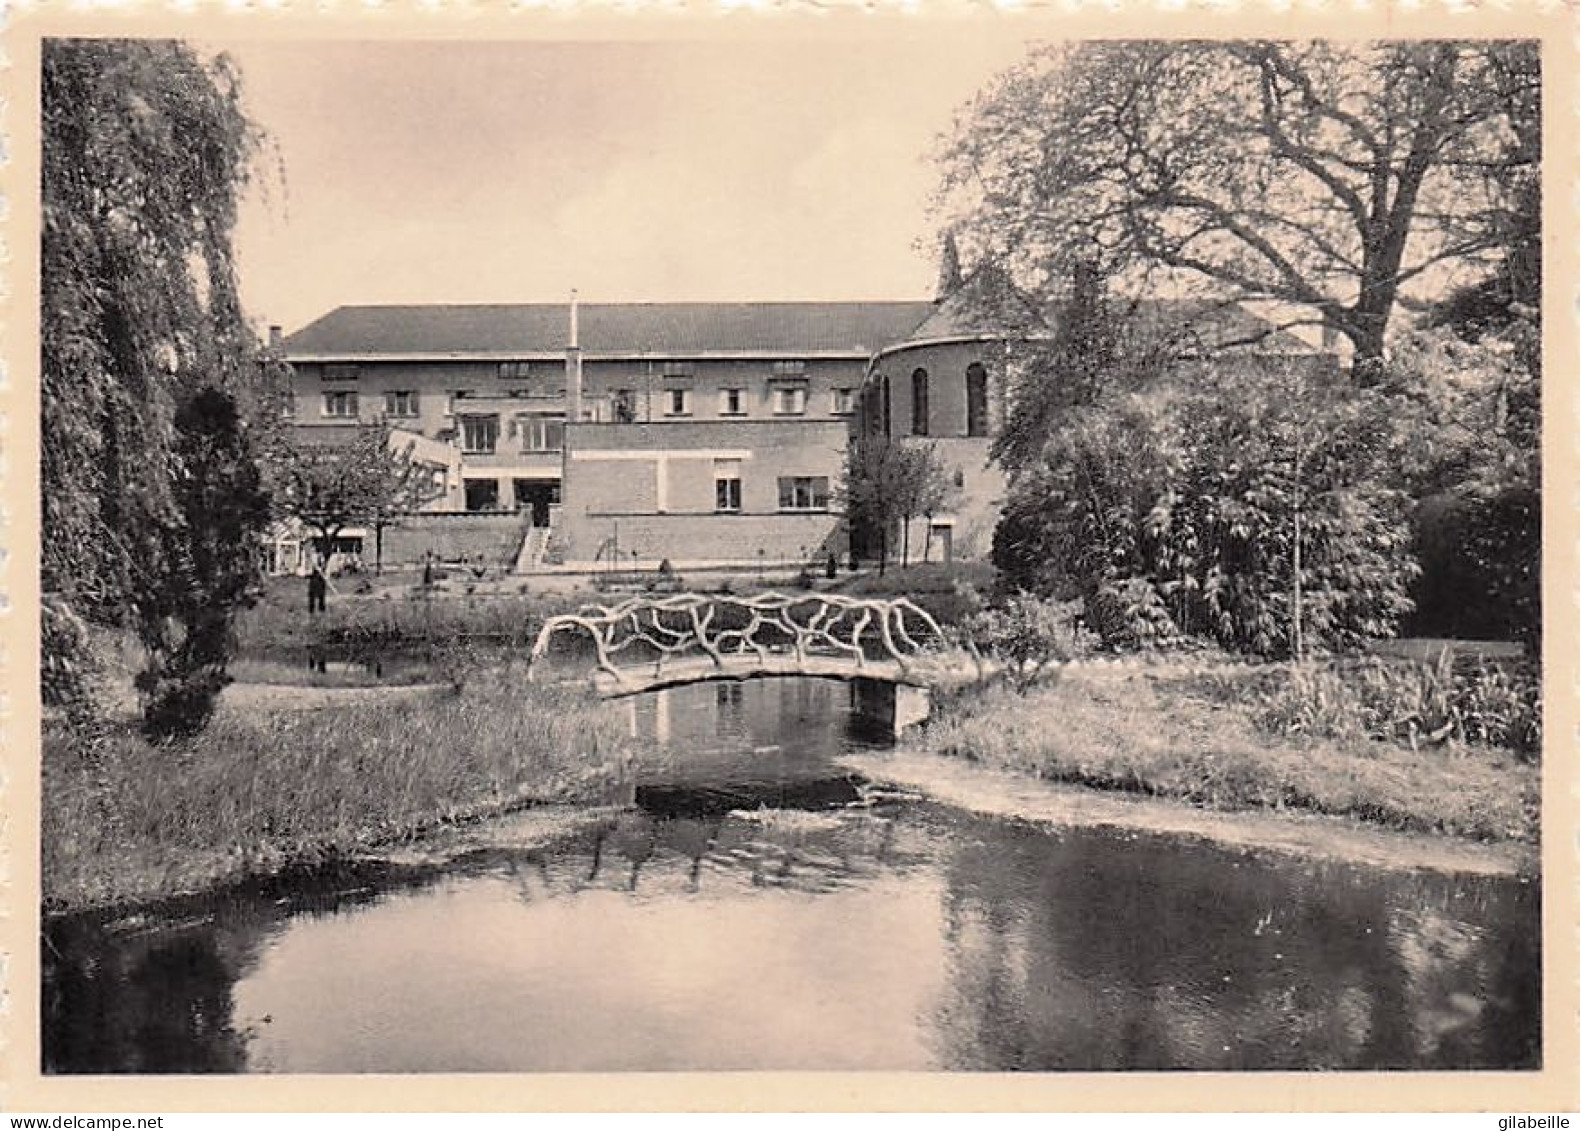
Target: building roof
985,309
678,329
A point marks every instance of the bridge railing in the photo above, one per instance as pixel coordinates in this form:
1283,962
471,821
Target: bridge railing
804,626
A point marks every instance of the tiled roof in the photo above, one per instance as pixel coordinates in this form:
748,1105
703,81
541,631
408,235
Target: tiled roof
666,329
1194,323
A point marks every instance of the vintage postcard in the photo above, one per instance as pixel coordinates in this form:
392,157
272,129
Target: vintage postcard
932,558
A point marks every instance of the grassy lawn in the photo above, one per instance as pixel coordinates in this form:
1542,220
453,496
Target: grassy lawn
1198,740
260,790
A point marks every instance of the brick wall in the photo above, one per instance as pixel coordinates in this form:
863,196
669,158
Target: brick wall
772,540
495,538
654,484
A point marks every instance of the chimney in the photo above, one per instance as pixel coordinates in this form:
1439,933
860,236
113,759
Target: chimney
948,268
276,338
573,368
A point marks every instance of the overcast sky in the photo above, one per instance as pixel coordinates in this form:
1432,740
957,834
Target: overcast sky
484,172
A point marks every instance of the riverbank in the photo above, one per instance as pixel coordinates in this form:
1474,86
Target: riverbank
1188,738
268,786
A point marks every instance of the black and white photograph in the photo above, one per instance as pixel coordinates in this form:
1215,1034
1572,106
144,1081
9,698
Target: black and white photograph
971,550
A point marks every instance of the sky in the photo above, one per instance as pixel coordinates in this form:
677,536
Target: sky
429,172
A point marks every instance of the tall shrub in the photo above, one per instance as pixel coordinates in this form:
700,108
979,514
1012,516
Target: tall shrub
1249,506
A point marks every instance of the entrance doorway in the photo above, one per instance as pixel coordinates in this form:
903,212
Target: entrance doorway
943,536
537,495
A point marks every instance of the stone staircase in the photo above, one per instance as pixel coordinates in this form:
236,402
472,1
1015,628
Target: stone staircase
533,544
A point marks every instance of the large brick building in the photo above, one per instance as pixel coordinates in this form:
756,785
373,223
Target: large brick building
700,433
694,432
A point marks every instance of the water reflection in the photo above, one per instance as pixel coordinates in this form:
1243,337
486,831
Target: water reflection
756,908
1117,950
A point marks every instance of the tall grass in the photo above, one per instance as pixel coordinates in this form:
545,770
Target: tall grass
125,820
1479,702
1181,738
274,629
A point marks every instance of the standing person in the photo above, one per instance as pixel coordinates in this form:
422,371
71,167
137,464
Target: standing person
317,587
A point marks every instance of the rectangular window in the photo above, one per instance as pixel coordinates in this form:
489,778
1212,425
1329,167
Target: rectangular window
732,402
482,494
677,402
514,370
844,402
342,372
340,404
479,435
622,406
542,433
790,400
727,485
803,493
400,402
789,368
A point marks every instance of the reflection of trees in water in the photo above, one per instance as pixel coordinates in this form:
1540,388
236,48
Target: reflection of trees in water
153,992
159,1001
642,852
1100,951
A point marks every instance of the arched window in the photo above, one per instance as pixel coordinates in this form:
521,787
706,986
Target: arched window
976,400
919,403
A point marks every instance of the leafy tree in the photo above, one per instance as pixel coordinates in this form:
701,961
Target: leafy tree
207,566
890,484
1099,347
371,480
1338,180
1251,508
145,151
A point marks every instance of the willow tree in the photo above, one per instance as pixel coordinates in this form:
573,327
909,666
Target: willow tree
1337,181
145,151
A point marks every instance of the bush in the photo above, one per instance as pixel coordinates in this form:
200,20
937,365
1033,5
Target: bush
70,673
1027,634
949,591
1179,511
1130,615
1393,701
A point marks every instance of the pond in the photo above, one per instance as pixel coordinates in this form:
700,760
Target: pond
758,906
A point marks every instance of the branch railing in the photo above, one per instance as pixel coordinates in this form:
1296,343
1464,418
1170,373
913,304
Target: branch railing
803,626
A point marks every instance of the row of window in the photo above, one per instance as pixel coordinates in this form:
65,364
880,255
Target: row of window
796,492
480,434
787,401
921,406
524,370
347,404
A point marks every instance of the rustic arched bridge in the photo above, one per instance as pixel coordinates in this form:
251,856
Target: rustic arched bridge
651,642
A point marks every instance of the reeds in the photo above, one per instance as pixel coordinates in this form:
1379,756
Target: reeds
1185,738
125,820
1476,702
